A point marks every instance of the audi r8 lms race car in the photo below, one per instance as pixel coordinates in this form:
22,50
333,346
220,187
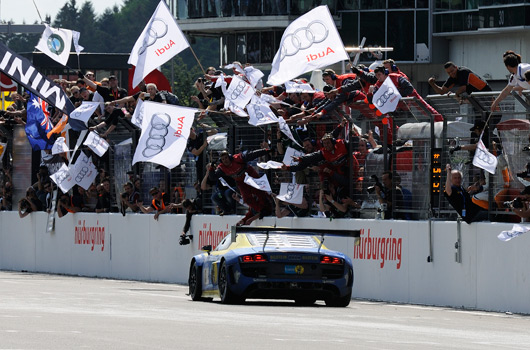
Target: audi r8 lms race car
273,263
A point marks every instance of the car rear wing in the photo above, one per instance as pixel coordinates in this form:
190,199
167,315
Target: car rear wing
267,230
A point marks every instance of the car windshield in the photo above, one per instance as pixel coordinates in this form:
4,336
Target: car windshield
283,241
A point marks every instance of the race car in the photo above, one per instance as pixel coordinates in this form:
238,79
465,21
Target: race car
273,263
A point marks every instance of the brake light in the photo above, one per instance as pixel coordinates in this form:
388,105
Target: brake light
324,259
253,258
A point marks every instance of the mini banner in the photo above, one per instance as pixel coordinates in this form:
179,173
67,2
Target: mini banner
387,97
484,159
82,114
138,114
286,130
271,164
289,154
253,75
84,171
60,146
239,92
165,132
260,114
96,143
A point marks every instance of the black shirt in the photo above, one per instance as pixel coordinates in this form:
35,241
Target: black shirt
465,77
109,95
460,200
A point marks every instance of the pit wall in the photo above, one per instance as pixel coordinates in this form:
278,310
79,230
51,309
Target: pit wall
390,263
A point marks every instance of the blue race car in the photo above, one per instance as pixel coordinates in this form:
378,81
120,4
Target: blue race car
273,263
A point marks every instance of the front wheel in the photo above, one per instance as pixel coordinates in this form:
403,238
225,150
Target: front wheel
227,296
194,282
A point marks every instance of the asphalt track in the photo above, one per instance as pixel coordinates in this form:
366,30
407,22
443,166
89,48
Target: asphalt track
39,311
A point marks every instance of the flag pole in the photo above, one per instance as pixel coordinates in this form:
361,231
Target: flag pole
199,62
36,8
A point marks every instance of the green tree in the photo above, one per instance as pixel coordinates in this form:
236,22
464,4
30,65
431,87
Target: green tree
68,16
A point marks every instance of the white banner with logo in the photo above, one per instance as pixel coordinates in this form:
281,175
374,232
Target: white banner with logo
516,231
238,92
138,114
253,75
286,130
96,143
271,164
63,178
261,183
160,41
387,97
297,88
291,193
84,171
165,132
260,114
59,146
309,42
289,154
484,159
85,111
56,43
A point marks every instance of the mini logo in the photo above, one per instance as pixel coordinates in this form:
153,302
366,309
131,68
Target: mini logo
55,44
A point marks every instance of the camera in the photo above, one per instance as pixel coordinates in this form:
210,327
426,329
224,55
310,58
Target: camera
147,94
185,239
325,187
517,203
375,179
201,80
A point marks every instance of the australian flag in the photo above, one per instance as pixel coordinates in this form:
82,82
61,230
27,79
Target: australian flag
38,123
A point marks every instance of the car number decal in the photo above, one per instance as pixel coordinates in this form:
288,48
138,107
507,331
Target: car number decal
294,269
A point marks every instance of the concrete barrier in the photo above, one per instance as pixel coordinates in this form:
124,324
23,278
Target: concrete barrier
390,260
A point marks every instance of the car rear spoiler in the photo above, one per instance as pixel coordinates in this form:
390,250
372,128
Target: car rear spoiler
292,231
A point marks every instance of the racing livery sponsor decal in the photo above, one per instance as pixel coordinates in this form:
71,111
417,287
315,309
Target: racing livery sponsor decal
384,249
89,235
207,235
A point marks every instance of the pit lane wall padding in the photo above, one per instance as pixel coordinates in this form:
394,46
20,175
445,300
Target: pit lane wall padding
390,261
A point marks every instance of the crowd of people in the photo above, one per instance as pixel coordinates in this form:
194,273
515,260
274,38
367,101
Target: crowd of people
336,155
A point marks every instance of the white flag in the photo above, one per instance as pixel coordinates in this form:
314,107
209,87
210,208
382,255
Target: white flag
160,41
63,178
260,114
271,164
286,130
96,143
85,111
138,114
289,154
291,193
239,92
165,132
84,171
253,75
235,66
56,44
225,184
484,159
78,48
266,98
297,88
235,109
387,97
309,42
100,100
516,230
261,183
59,146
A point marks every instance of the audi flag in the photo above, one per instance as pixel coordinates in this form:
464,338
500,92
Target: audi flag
63,179
84,171
284,128
96,143
260,113
291,193
484,159
20,70
238,92
165,132
309,42
387,97
160,40
261,183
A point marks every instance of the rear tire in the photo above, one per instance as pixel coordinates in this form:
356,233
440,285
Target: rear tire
195,282
226,294
339,301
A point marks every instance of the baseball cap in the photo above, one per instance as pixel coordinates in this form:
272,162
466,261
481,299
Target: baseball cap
480,124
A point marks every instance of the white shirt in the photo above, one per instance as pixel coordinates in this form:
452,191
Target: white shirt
518,79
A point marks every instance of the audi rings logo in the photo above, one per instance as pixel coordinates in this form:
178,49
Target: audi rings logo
81,175
485,157
384,97
290,191
238,90
61,176
158,130
157,30
303,38
261,183
260,116
96,141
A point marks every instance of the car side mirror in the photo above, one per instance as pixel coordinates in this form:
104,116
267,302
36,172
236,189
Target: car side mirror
207,248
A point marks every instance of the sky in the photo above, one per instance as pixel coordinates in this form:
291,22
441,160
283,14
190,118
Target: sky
20,10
